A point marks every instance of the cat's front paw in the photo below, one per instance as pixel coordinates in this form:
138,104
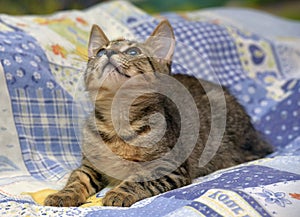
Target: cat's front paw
118,198
64,199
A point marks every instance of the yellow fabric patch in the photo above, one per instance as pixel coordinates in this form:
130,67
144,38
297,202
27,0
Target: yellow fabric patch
93,201
40,196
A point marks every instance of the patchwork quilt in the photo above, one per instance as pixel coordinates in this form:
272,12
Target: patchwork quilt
43,103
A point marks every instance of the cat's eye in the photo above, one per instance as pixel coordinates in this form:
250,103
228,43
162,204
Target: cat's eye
133,51
101,52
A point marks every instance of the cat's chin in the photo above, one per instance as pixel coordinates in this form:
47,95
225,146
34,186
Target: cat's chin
110,78
111,70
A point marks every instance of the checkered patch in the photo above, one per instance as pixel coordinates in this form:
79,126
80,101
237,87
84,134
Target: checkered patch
47,122
203,49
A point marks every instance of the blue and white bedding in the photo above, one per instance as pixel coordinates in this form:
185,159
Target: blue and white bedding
256,55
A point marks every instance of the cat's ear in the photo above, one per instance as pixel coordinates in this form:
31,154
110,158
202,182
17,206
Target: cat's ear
162,41
97,40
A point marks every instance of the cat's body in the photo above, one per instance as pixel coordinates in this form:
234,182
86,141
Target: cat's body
125,156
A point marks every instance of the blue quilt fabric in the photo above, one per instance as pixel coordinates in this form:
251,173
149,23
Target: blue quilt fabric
42,115
42,61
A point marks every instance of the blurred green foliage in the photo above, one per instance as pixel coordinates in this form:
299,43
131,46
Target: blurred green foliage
285,8
42,6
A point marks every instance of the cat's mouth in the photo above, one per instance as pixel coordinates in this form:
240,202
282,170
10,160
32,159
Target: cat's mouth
112,67
106,76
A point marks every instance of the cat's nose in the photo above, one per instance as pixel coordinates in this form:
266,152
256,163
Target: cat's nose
109,53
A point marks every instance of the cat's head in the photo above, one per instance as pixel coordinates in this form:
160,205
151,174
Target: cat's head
113,62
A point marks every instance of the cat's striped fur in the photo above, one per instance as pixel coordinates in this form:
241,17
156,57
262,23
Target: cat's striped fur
116,156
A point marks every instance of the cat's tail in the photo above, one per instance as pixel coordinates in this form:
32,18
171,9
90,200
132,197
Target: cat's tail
257,145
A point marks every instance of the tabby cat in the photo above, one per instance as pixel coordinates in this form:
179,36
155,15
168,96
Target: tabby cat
139,150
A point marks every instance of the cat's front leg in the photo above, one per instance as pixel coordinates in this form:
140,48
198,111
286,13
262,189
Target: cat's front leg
128,192
82,183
